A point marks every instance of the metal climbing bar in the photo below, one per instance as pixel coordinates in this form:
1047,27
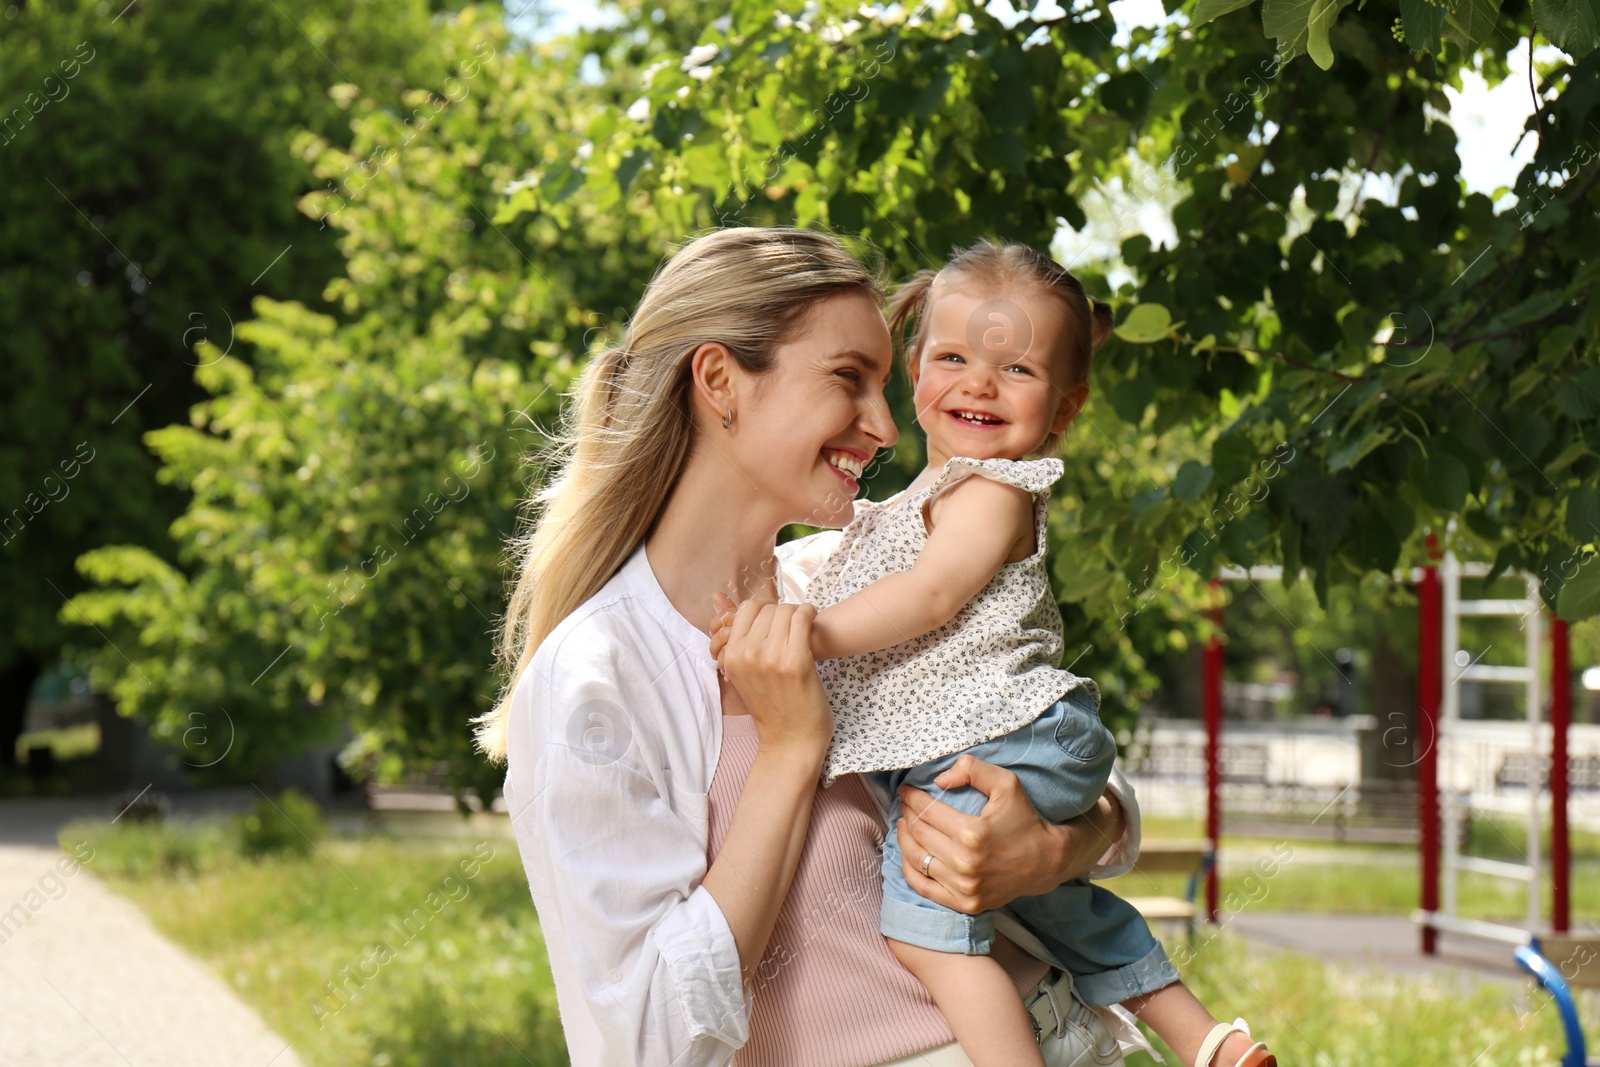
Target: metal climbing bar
1442,797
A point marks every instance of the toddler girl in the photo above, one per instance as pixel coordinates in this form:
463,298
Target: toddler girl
938,635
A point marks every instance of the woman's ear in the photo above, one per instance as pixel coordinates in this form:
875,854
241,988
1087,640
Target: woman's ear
711,371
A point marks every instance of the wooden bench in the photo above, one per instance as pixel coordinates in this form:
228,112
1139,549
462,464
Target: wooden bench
1162,857
1577,957
1185,760
1519,768
1560,963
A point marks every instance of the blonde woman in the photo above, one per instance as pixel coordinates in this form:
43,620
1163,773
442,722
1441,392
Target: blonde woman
702,901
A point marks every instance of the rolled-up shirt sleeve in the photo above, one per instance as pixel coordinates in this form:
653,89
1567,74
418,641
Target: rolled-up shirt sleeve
1120,857
618,855
799,559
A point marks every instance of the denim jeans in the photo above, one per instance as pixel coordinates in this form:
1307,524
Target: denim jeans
1062,760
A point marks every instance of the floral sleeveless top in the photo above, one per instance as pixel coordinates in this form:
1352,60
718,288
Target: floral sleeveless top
989,670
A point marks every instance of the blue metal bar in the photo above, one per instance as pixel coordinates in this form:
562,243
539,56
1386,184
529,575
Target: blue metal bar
1545,973
1193,887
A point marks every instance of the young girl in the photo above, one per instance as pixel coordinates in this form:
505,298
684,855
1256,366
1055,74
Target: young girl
938,635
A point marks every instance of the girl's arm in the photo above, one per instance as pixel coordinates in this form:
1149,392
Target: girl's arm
980,521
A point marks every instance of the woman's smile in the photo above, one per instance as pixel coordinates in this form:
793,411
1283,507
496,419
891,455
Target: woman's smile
847,463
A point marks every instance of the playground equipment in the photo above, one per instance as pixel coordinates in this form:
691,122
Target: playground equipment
1440,609
1211,713
1578,967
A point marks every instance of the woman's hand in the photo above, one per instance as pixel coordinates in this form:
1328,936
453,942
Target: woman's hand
765,652
1007,850
766,660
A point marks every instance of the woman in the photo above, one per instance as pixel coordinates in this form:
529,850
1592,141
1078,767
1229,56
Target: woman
746,396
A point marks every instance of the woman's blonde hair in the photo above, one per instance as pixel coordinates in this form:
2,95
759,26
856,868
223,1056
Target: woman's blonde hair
628,432
1089,321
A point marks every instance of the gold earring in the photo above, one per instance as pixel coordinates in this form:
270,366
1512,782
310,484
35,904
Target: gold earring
727,420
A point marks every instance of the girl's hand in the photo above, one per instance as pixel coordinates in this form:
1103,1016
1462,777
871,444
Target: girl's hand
1007,850
766,655
721,626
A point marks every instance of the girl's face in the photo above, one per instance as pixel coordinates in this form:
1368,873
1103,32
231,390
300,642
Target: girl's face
991,379
805,431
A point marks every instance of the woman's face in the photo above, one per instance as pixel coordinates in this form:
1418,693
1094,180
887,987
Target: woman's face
804,432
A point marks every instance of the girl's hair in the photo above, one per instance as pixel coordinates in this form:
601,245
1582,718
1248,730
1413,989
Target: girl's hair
1004,266
628,432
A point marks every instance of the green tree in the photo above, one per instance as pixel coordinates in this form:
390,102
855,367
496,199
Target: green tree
148,193
353,476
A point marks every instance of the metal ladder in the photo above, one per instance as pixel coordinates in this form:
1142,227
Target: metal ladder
1458,667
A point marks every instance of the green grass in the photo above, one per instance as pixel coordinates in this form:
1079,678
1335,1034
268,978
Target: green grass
470,983
1368,889
1362,879
298,937
1492,836
1318,1015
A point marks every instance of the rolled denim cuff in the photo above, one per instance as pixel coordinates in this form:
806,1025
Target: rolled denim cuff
937,928
1145,975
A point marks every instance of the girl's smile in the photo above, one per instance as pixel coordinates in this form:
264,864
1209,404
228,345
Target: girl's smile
971,418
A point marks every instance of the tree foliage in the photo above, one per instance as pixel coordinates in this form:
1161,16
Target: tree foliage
350,477
1343,351
1420,360
148,193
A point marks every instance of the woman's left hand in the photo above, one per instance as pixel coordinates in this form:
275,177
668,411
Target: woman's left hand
1007,850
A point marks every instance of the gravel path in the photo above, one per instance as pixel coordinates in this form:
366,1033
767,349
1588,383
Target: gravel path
85,980
1381,943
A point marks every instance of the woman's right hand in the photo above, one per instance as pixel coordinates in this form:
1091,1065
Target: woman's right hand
767,658
1007,850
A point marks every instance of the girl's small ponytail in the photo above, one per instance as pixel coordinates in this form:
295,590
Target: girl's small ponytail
906,310
1101,323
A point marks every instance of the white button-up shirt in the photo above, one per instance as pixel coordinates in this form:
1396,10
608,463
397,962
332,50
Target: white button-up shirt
614,732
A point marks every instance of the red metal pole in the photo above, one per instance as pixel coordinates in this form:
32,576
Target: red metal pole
1560,717
1212,704
1430,614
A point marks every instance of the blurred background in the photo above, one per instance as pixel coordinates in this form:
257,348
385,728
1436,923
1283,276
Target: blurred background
291,292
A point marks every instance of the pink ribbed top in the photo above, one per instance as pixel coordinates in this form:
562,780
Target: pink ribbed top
828,992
